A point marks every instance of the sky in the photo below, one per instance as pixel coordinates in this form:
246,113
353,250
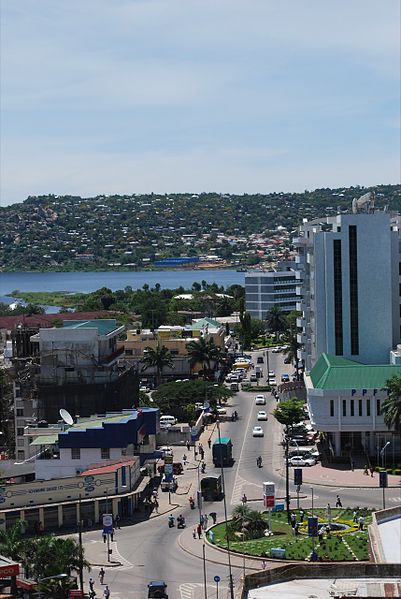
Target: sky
164,96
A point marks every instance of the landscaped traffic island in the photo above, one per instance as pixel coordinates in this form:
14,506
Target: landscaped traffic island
340,537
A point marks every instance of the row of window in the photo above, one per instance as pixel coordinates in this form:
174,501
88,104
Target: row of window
353,403
76,453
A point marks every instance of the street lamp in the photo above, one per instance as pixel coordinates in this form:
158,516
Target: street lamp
383,453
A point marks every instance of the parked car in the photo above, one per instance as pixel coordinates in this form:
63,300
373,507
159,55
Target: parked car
298,461
271,374
299,440
276,350
253,378
285,378
259,360
166,450
287,361
257,431
260,400
307,453
272,382
221,410
168,484
262,415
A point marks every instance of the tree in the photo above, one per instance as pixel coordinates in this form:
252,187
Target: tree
204,353
289,412
224,307
391,406
158,357
11,540
291,346
246,523
276,321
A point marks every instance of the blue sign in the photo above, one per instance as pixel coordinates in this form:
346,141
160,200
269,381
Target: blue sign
312,526
297,476
217,578
383,481
107,523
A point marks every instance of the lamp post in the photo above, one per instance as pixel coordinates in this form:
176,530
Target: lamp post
287,477
81,568
383,453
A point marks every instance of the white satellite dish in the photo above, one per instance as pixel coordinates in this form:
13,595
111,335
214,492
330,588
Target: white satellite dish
66,416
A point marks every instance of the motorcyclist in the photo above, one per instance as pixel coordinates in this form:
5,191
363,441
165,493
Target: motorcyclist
171,521
180,521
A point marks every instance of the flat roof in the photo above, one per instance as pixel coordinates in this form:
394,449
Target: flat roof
327,588
334,372
103,326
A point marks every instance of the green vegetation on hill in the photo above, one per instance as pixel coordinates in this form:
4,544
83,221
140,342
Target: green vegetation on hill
131,232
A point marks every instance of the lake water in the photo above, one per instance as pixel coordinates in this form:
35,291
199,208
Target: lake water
85,282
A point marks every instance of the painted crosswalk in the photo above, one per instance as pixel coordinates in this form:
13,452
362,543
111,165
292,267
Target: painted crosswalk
195,590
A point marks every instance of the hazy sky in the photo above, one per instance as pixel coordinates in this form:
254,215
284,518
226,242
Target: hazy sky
125,96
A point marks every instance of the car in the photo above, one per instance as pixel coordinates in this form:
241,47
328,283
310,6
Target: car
262,415
259,360
287,361
272,382
253,378
260,400
166,450
144,389
276,350
302,461
221,410
304,453
168,483
285,378
297,440
271,374
257,431
157,590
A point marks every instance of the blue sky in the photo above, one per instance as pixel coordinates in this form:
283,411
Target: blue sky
131,96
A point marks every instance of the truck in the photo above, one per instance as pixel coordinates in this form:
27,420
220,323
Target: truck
211,488
222,452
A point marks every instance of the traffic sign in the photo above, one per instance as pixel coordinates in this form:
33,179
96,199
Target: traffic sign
107,523
383,480
217,578
268,500
297,476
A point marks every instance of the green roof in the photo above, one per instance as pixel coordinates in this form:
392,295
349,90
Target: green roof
205,321
222,440
103,326
334,372
45,440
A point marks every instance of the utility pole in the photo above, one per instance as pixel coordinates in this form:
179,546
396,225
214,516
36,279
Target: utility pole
287,478
81,557
231,582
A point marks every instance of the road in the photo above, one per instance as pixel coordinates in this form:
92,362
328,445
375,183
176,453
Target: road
150,550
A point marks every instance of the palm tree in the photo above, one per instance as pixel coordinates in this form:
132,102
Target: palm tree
202,352
292,346
391,406
276,321
158,357
11,541
250,523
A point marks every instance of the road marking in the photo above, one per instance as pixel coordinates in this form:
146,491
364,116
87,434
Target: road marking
394,499
241,452
195,590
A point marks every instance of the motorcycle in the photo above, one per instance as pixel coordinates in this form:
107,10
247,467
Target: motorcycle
171,522
180,522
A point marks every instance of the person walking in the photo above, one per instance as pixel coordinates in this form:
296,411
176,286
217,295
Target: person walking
199,530
209,442
355,517
91,584
188,446
201,453
104,537
101,575
205,521
118,520
244,499
156,504
106,592
361,521
185,459
338,502
213,516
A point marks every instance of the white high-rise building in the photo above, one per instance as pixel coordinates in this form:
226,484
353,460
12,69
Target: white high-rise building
349,270
263,290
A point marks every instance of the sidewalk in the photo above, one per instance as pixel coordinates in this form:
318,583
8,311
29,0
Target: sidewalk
345,477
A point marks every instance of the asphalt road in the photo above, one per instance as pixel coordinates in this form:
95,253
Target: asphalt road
150,550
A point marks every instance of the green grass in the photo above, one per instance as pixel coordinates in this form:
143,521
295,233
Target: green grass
48,298
333,548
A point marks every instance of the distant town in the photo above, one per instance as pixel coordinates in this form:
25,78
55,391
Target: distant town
144,232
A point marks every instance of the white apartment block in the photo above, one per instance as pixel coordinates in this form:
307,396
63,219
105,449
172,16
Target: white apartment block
263,290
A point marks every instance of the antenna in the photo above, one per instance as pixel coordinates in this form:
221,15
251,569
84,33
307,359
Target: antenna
66,416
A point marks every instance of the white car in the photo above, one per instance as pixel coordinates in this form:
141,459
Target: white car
276,350
272,382
298,461
166,450
260,400
271,374
221,410
257,431
262,415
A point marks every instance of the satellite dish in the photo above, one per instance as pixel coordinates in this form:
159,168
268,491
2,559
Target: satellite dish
66,416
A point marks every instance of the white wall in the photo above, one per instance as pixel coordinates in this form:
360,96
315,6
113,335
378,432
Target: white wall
65,466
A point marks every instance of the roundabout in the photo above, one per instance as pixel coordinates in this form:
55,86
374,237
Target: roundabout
341,538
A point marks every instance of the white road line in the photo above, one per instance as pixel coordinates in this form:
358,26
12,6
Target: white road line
195,590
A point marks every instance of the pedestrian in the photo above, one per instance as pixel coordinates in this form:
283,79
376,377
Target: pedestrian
194,533
361,521
321,533
188,446
106,592
118,520
205,521
201,453
184,459
199,530
91,584
371,471
101,575
209,442
293,519
296,529
112,535
263,565
156,504
201,519
301,516
203,467
154,493
338,502
104,537
365,470
355,517
213,516
244,499
92,594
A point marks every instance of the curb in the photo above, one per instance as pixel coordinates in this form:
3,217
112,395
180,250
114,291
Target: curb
106,565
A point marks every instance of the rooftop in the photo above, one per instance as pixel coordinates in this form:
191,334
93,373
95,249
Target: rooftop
103,326
334,372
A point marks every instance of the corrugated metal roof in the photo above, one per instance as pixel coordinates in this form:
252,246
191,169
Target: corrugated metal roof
108,468
103,326
334,372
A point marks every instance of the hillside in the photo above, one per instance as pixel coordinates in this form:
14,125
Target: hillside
111,232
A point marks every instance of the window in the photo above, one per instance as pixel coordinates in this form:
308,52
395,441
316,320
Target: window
105,453
400,310
352,408
331,408
360,407
344,407
21,455
69,369
20,411
20,432
338,305
378,407
75,453
368,407
353,289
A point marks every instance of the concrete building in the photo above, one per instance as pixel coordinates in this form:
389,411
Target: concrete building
348,268
95,462
263,290
344,401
